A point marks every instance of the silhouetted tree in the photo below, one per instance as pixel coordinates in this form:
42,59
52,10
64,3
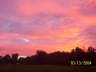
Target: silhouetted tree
91,55
77,54
79,50
41,57
91,49
15,58
55,58
6,59
21,60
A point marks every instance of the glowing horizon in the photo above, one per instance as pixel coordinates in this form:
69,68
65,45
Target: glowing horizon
50,25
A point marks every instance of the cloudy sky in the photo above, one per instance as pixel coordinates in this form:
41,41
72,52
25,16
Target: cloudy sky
50,25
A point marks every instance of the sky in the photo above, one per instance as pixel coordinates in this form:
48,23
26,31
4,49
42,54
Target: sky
50,25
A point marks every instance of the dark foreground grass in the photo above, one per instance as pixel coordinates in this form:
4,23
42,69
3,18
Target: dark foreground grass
46,68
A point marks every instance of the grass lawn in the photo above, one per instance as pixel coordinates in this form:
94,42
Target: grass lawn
46,68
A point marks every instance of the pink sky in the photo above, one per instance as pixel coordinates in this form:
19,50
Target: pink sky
50,25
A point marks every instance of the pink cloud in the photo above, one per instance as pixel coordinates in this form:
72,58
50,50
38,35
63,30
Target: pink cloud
51,25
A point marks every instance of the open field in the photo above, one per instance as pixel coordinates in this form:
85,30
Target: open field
46,68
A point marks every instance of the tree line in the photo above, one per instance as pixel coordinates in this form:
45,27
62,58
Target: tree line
56,58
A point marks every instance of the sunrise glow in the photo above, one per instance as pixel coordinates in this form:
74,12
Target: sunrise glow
50,25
